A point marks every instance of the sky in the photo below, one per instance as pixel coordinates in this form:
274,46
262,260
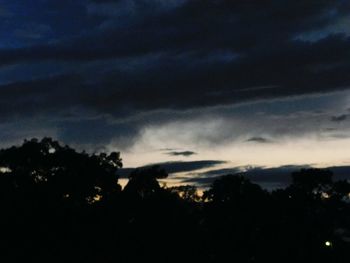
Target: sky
208,86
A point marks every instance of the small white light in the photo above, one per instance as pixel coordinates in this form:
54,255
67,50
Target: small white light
325,195
52,150
328,244
5,170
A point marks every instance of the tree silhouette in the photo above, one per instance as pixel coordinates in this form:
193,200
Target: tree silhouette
341,190
313,180
48,171
143,181
234,189
60,205
188,193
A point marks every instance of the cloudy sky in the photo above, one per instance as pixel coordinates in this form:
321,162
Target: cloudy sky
219,84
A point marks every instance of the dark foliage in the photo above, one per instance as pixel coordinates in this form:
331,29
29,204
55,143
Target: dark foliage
59,205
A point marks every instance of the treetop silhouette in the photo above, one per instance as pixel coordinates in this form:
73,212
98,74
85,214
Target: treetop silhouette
143,181
48,170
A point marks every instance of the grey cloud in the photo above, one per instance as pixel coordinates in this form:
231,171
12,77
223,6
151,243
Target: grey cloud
193,25
168,149
177,167
173,83
32,31
105,1
181,153
184,56
339,118
280,175
259,140
270,178
5,13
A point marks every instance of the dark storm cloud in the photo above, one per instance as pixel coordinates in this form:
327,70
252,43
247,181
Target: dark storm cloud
124,57
278,175
259,140
186,83
199,26
181,153
267,177
97,131
105,1
41,95
339,118
4,13
177,167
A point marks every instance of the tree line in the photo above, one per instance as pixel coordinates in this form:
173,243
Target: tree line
60,205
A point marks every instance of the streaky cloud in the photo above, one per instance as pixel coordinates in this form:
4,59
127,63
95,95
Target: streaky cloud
259,140
181,153
267,177
177,167
339,118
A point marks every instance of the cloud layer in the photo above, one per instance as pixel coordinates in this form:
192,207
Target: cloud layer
127,74
147,55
